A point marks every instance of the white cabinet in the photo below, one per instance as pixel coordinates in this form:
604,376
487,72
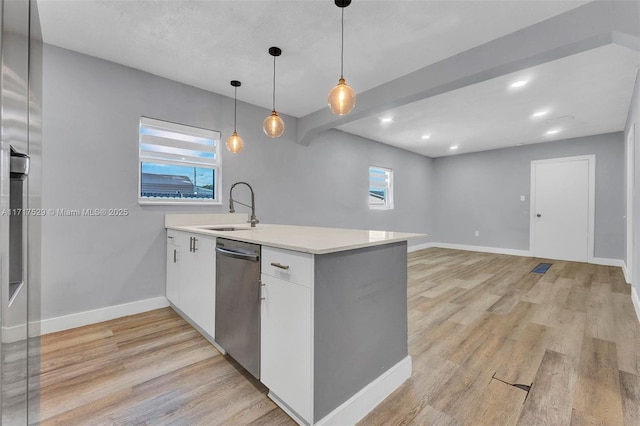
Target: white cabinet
197,289
286,328
191,276
306,298
173,268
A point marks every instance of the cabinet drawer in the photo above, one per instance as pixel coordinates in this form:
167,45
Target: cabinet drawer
293,266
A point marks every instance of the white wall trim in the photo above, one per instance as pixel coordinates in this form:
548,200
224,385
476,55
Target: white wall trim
201,330
608,262
284,407
626,273
356,407
13,334
513,252
417,247
79,319
496,250
636,301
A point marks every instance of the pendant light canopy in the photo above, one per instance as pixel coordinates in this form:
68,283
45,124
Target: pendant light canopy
234,142
273,125
342,98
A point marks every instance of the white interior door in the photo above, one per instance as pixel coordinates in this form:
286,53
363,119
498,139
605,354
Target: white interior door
561,204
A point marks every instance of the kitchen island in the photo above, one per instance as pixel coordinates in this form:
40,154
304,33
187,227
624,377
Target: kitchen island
333,314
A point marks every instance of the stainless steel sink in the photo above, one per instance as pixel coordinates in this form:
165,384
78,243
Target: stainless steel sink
222,228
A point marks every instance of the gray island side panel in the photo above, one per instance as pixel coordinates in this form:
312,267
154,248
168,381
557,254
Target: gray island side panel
360,320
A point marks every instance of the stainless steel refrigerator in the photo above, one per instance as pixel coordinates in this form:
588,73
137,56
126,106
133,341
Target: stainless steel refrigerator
20,183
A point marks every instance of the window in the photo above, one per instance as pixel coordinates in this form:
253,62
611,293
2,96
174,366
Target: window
178,164
380,188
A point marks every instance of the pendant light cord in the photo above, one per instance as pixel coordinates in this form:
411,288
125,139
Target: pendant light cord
235,108
342,47
274,83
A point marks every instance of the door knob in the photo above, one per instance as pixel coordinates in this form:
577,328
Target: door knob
539,215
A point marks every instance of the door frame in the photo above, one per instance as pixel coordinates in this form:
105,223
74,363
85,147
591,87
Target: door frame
591,159
630,153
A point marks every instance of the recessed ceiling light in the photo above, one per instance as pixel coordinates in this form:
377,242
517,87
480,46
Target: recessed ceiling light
539,114
453,147
518,83
552,132
386,120
426,136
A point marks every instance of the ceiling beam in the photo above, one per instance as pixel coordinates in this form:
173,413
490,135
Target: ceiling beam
587,27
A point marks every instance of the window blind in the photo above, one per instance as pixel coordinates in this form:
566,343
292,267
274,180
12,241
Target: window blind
165,142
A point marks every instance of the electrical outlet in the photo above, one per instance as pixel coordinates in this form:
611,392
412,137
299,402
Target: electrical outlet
477,233
522,198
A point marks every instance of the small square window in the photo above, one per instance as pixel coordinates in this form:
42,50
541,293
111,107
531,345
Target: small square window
380,188
178,164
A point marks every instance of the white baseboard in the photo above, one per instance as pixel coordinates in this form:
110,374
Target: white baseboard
79,319
608,262
625,272
417,247
356,407
13,334
204,334
636,301
496,250
513,252
284,407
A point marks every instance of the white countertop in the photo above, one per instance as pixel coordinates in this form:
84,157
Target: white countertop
306,239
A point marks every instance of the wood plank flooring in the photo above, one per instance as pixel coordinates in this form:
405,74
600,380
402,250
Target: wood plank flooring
478,323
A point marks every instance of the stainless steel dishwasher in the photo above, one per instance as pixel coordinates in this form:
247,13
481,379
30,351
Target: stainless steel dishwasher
238,302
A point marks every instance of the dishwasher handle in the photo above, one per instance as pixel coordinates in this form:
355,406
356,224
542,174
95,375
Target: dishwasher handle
238,254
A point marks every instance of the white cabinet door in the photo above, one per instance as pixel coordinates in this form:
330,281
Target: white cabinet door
285,362
198,276
173,269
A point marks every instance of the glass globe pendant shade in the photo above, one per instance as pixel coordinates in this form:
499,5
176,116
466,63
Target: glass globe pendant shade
341,98
235,143
273,125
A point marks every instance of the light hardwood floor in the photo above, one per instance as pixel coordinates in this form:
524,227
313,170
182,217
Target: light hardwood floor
478,323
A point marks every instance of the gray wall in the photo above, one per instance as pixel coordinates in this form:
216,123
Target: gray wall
633,119
91,110
360,321
481,192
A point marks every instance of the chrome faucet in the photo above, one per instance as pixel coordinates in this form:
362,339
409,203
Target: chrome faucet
253,220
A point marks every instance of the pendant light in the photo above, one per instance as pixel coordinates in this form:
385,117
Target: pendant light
342,98
273,125
234,142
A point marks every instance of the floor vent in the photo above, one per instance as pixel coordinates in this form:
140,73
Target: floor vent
541,268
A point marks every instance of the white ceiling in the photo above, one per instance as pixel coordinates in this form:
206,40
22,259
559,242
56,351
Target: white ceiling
208,43
584,94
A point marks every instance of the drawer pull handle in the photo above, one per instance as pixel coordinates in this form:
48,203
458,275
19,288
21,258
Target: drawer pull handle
278,265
